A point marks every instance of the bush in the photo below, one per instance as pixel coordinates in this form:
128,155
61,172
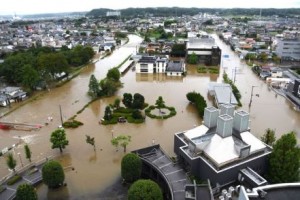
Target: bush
2,188
131,167
14,179
72,124
53,174
201,70
198,100
144,189
26,192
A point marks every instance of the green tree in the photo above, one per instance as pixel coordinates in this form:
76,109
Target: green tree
107,113
138,101
94,88
27,152
127,100
131,167
192,59
30,77
11,162
113,74
109,86
136,114
121,140
145,189
26,192
116,104
90,140
269,137
58,139
53,174
198,100
160,103
284,161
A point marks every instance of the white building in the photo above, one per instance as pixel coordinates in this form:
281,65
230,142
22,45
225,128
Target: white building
288,49
151,64
113,13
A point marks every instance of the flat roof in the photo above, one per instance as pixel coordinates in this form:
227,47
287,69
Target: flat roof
222,150
196,132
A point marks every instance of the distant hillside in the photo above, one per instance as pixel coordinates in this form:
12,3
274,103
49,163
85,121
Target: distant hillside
175,11
53,15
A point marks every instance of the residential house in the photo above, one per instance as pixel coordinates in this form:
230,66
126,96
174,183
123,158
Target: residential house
175,68
14,94
151,64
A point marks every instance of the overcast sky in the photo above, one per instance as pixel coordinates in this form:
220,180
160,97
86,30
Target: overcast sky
20,7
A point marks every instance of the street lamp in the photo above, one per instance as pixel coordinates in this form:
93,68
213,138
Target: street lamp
253,86
112,133
20,159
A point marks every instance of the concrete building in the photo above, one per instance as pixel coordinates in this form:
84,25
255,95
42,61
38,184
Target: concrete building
113,13
205,48
293,93
222,147
288,49
151,64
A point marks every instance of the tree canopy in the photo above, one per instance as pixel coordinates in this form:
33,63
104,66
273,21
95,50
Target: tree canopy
269,137
11,162
58,139
284,161
198,100
53,174
131,167
94,87
122,140
26,192
145,189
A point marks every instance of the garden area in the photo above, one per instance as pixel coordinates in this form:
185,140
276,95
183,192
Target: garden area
205,69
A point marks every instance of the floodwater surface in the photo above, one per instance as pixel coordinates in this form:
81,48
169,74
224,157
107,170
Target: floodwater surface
95,171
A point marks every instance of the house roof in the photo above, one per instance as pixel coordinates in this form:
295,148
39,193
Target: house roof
175,66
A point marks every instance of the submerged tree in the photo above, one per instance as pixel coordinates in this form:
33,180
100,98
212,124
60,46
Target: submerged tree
90,140
160,103
59,140
284,161
94,88
27,152
269,137
121,140
107,113
11,162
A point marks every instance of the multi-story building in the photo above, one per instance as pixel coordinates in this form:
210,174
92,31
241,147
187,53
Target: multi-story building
288,49
222,149
151,64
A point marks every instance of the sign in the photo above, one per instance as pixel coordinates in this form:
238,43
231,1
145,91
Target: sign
225,56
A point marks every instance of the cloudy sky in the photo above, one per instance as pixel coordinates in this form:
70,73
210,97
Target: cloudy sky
20,7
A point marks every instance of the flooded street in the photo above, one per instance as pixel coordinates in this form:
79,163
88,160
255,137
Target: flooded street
94,171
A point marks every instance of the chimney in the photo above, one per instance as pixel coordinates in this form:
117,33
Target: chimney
241,121
210,116
227,109
224,125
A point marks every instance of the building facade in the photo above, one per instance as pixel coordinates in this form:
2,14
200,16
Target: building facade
288,49
220,148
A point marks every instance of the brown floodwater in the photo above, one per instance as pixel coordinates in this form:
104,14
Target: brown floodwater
94,171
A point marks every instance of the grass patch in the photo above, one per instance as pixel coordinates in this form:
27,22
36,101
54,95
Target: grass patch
14,179
72,124
202,70
214,70
171,114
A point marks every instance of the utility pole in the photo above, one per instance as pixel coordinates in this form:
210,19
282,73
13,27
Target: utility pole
61,118
251,95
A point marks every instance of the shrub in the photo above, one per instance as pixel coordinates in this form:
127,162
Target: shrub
198,100
26,192
144,189
131,167
14,179
53,174
72,124
2,188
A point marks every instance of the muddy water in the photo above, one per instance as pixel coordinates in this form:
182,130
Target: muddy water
94,171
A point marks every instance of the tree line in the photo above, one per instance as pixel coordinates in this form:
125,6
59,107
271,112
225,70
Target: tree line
176,11
40,66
